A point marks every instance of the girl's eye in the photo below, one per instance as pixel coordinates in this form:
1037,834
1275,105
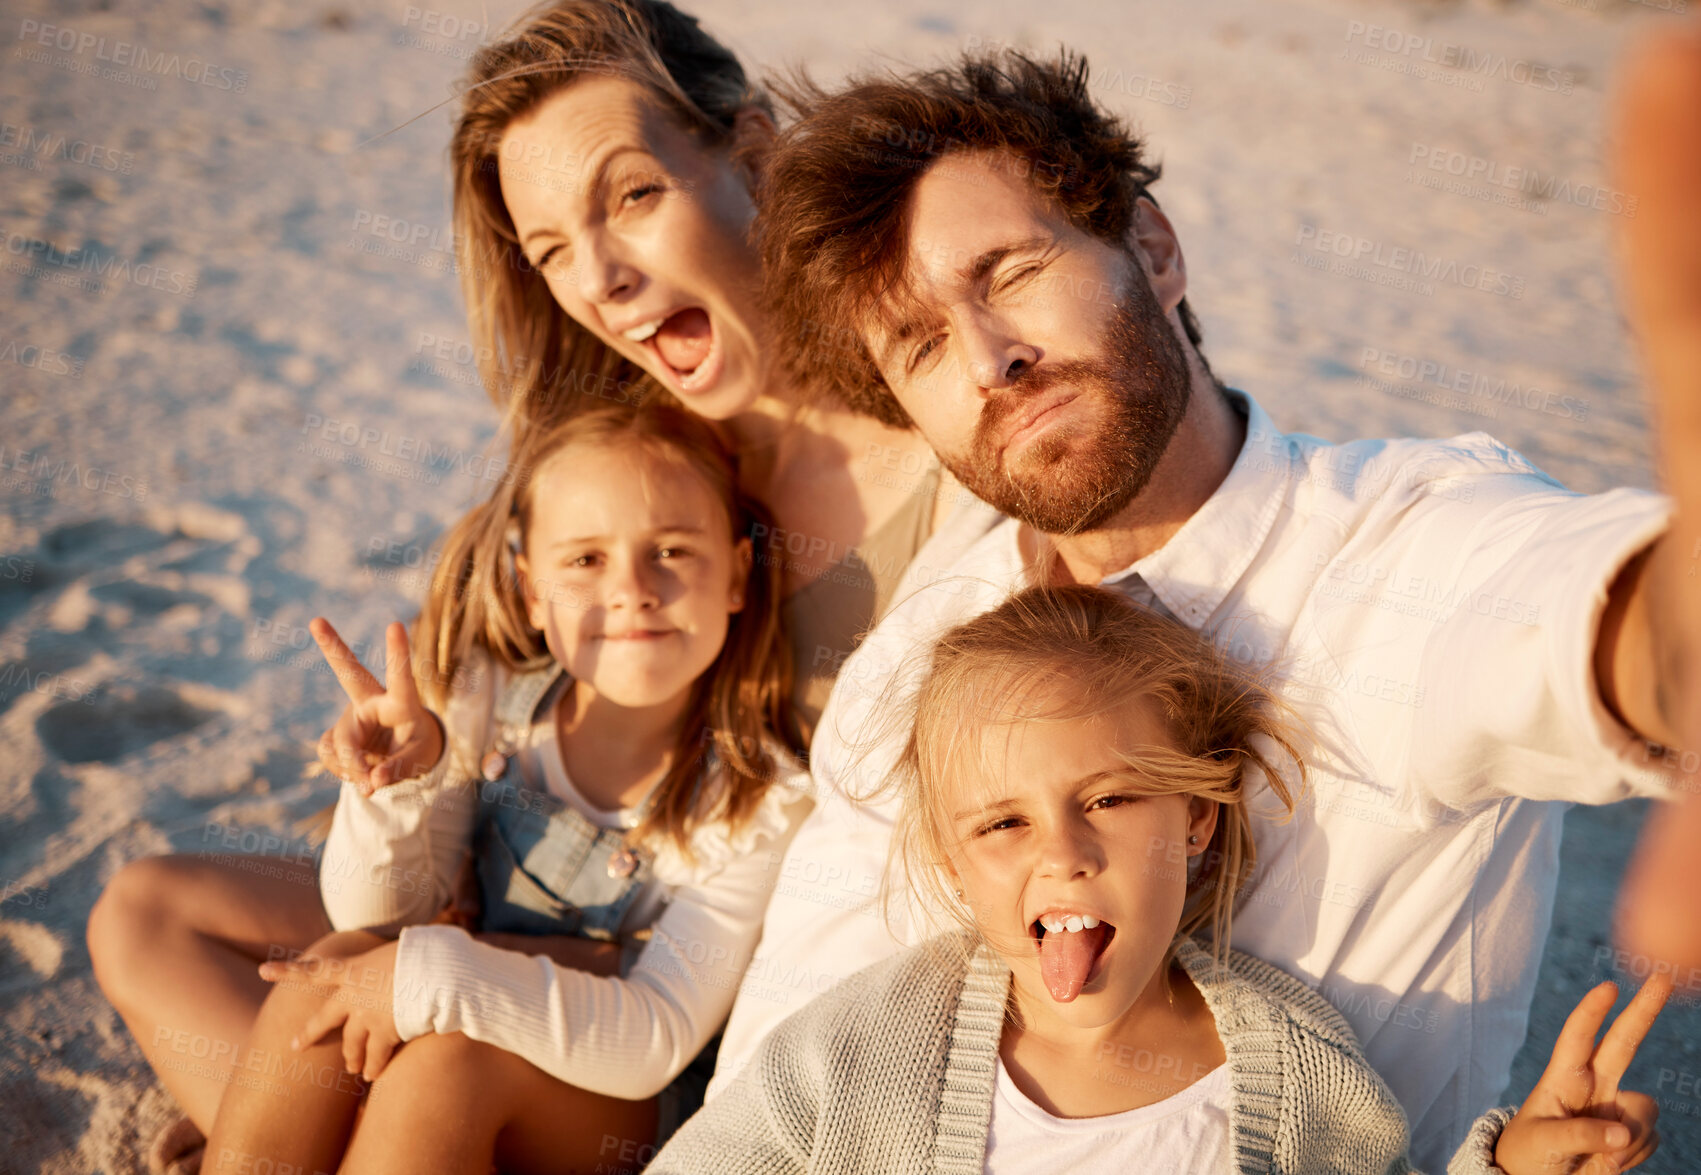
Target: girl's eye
583,561
672,553
633,195
999,825
1109,802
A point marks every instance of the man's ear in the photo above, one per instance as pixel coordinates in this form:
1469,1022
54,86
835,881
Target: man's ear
1201,823
753,135
1153,240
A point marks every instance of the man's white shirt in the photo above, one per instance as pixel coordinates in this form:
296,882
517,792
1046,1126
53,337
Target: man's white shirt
1429,608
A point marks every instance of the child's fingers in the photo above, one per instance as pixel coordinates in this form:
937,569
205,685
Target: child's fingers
1641,1114
1618,1048
379,1049
349,736
398,665
354,1046
1566,1073
323,1022
1561,1138
357,682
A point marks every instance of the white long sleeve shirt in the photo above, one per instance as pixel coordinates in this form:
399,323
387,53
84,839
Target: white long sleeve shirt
391,863
1430,607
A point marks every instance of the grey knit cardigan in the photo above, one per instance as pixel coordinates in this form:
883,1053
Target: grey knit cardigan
892,1073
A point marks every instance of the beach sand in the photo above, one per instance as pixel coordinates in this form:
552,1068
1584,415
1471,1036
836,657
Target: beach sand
238,389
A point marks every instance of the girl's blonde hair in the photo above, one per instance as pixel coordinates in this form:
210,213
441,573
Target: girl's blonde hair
476,598
535,360
1108,654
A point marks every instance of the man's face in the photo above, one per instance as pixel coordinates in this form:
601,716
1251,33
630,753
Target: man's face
1034,357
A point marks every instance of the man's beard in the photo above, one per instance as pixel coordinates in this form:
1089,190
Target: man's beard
1074,478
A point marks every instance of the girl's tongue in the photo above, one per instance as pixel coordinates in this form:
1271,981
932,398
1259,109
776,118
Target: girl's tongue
683,340
1067,958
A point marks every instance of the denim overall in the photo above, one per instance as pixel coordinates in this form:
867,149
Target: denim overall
543,868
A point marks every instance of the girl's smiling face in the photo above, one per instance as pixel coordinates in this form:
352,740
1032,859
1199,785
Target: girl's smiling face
1051,831
630,570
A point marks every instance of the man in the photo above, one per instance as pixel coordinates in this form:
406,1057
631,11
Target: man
1467,641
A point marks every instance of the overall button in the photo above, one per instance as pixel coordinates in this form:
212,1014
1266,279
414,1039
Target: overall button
622,864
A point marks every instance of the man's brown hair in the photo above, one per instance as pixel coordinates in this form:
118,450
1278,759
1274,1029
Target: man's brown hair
834,200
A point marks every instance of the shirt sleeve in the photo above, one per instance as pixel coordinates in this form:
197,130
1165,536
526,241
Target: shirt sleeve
625,1036
1510,702
392,857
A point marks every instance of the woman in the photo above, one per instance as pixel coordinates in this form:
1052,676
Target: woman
605,175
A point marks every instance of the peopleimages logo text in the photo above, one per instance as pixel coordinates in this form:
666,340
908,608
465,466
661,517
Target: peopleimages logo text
130,55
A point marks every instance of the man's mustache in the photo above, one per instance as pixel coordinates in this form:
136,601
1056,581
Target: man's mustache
1028,383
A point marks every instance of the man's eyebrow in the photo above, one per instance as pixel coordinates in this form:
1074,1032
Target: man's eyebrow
971,274
592,186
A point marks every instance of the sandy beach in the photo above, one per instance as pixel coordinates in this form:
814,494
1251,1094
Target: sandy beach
238,390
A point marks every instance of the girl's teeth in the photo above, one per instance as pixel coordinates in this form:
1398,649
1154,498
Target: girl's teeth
1060,924
639,333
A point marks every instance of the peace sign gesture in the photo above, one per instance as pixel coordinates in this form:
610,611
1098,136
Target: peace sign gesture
1577,1121
386,733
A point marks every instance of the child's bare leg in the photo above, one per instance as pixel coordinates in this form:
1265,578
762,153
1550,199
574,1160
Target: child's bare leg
175,942
293,1110
451,1104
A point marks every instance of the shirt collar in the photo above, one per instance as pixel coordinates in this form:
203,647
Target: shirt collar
1197,568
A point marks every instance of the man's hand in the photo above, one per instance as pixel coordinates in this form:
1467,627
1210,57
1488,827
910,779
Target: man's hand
358,994
1577,1121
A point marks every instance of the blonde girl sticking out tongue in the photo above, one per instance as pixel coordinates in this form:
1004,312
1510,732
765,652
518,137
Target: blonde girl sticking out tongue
1076,790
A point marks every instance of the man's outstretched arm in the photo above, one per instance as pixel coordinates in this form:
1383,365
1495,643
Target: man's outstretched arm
1648,660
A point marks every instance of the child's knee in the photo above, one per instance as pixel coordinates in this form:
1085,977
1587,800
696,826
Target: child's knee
125,916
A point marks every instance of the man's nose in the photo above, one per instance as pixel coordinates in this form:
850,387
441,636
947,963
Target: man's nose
992,354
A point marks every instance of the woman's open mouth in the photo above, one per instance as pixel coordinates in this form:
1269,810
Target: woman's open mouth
687,347
1070,950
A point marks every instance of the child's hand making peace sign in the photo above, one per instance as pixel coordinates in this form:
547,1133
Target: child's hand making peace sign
1577,1121
386,734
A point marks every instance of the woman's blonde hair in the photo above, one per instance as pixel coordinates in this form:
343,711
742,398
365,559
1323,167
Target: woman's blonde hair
1057,654
536,362
476,598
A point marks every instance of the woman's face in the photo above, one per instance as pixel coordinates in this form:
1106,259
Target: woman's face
641,234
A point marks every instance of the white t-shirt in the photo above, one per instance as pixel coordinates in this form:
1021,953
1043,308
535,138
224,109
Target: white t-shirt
1430,608
1185,1134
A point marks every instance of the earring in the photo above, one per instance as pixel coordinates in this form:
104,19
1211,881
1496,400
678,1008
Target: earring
1192,840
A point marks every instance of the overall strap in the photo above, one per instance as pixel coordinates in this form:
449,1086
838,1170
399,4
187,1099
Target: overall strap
517,704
